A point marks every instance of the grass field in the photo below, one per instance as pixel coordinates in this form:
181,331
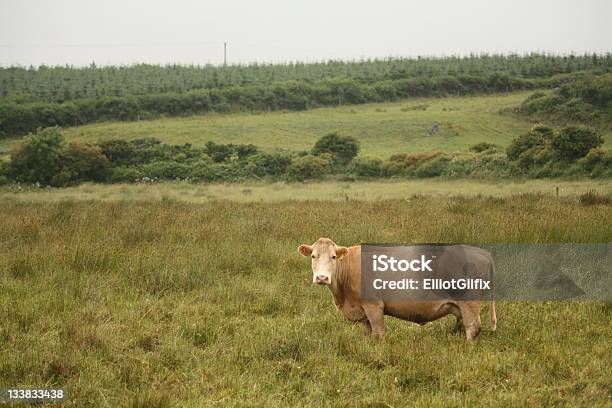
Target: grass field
343,191
155,304
189,295
383,129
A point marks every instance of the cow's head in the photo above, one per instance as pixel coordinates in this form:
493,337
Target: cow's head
324,255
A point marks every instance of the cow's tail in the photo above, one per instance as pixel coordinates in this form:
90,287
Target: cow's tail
492,314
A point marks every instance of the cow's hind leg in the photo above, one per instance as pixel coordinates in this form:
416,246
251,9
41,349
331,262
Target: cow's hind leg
470,314
367,327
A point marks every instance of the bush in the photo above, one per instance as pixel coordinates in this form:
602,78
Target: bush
263,164
245,150
341,148
495,165
484,147
224,152
166,170
86,163
119,152
125,175
203,170
532,147
4,172
585,99
405,164
434,167
218,152
574,142
367,167
311,167
462,164
598,163
39,157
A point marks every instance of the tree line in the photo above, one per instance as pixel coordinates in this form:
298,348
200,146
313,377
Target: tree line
65,83
21,118
45,158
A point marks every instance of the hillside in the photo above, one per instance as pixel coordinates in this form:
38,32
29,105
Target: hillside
382,129
587,101
44,97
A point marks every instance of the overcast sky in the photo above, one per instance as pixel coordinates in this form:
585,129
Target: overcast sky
188,31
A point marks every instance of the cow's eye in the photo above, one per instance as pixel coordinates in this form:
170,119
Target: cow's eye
313,257
334,257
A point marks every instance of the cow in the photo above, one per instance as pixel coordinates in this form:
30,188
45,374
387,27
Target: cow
339,268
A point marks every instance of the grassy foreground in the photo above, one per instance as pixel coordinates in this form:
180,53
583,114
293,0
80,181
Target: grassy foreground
155,304
344,191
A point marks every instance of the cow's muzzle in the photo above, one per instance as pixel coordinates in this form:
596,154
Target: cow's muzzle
322,280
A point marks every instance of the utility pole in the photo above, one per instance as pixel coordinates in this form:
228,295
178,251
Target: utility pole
224,53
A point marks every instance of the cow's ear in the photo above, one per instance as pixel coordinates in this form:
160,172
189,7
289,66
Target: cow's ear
341,252
305,250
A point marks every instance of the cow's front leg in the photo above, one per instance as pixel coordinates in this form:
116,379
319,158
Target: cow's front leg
376,317
367,327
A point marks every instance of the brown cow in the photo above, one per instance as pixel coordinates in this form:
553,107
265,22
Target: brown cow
339,268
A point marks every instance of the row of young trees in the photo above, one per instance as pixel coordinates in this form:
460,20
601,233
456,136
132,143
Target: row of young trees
61,84
21,118
45,158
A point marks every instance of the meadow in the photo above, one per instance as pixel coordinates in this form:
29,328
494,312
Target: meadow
179,294
166,303
382,129
325,191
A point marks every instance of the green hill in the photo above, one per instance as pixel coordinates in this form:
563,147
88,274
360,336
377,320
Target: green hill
382,129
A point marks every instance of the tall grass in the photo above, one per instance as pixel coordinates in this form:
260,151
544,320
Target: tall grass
174,304
327,190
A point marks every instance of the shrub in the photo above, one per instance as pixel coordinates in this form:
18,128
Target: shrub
38,157
86,162
367,167
203,170
596,157
574,142
264,164
119,152
341,148
484,147
598,163
166,170
540,103
405,164
223,152
532,147
125,174
585,99
495,165
245,150
230,171
434,167
218,152
311,167
4,172
462,164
